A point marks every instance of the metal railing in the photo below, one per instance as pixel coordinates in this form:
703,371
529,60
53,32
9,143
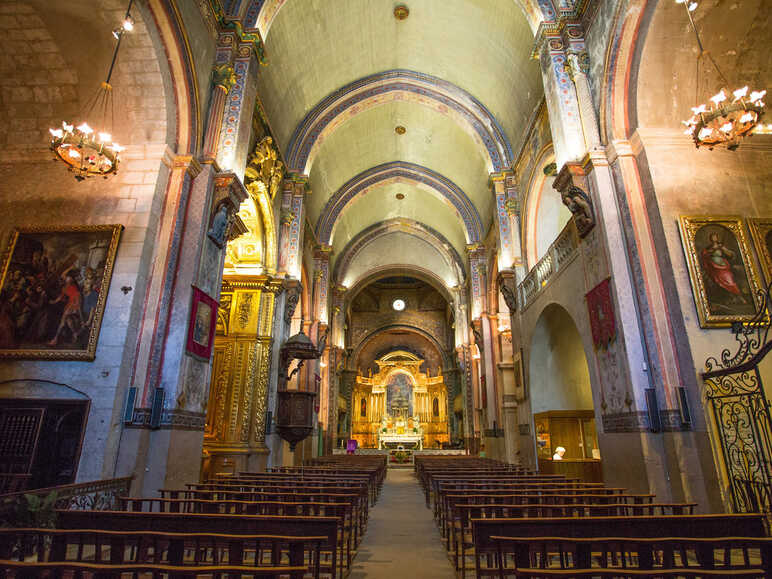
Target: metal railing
93,495
562,252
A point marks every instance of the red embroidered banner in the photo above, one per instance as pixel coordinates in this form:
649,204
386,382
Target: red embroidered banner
600,306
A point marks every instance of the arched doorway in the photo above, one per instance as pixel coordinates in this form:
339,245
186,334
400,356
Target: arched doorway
561,398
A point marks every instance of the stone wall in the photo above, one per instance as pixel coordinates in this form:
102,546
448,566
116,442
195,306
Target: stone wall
43,83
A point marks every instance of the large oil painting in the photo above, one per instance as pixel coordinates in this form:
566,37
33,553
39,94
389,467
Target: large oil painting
54,289
399,395
761,231
724,279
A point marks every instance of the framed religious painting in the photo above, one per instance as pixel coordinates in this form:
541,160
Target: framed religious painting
724,279
54,290
202,325
761,232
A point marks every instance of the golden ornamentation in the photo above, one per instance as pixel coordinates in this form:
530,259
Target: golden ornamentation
373,391
264,346
724,279
249,384
245,309
400,130
224,76
264,168
401,12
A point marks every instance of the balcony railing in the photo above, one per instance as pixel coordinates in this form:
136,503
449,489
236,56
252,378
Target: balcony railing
562,252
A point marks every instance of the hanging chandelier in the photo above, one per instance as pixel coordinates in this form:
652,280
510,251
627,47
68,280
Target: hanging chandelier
87,151
728,116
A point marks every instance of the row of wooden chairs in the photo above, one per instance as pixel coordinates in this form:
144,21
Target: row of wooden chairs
514,525
279,524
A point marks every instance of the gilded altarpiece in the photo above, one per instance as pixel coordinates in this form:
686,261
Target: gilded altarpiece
400,399
234,436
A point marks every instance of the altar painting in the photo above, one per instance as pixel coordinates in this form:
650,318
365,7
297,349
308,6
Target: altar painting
400,405
399,395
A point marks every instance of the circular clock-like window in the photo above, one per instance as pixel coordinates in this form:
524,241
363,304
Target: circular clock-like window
398,305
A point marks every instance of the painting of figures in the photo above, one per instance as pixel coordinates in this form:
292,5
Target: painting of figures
53,291
724,279
399,395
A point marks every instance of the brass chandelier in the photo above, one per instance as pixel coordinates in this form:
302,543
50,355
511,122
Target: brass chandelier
87,151
728,116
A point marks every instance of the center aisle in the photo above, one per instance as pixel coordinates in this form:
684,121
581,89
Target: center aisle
402,540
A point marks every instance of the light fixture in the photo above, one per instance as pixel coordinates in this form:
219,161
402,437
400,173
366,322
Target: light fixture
87,151
398,305
401,12
729,115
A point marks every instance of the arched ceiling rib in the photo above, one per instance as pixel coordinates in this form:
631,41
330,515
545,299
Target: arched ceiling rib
401,175
342,76
391,85
261,13
406,226
481,46
368,140
400,252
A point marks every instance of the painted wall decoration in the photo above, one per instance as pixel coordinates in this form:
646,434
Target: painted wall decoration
202,325
600,306
54,289
761,232
723,276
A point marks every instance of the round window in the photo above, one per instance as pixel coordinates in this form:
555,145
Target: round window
398,305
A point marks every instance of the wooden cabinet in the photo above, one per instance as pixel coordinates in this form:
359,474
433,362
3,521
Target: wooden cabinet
575,431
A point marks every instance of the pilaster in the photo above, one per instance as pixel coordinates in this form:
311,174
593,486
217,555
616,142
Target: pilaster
292,217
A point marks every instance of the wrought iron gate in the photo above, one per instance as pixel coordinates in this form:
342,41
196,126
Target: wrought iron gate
734,389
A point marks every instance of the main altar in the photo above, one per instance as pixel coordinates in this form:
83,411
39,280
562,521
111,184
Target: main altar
400,406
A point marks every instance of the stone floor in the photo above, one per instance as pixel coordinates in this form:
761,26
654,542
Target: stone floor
402,541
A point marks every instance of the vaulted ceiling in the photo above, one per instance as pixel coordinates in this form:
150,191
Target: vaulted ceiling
343,75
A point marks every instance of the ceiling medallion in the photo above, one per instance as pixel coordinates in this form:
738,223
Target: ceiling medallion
401,12
400,130
724,120
87,151
400,196
398,305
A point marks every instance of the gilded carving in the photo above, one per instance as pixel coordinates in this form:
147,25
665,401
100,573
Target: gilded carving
265,168
224,76
244,310
261,388
249,383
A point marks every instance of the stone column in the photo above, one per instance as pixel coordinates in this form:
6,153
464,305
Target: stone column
236,51
198,215
223,79
292,218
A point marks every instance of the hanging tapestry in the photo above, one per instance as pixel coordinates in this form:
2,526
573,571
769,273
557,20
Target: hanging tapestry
600,306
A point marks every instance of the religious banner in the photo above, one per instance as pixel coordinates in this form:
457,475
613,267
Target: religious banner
600,306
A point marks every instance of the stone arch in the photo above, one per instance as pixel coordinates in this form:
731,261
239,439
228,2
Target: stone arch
413,227
419,273
545,214
366,340
558,368
424,177
405,85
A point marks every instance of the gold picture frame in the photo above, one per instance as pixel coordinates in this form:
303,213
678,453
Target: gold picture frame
724,279
761,233
53,291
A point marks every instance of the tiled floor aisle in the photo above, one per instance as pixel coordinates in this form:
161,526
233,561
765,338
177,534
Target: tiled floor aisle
402,541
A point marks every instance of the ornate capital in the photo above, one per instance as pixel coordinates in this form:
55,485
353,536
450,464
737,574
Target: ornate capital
224,76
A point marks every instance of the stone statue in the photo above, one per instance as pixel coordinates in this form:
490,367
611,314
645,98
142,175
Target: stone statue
579,204
219,229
